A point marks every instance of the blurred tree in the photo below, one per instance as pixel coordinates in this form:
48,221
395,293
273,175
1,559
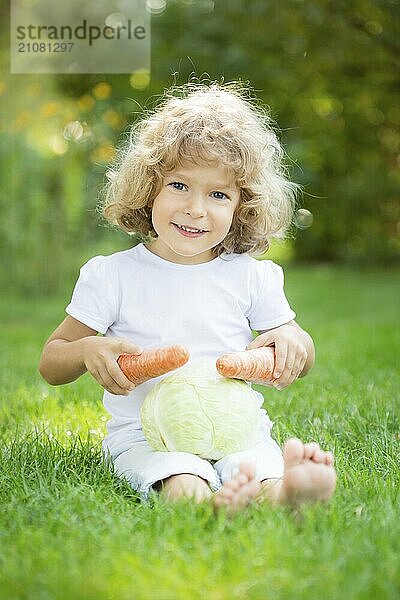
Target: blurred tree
328,71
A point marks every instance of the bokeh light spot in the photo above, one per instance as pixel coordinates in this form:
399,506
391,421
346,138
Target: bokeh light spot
140,79
373,27
294,45
22,120
326,106
375,116
115,20
58,145
112,118
102,90
103,154
86,102
49,109
303,218
206,6
73,131
156,7
389,138
393,115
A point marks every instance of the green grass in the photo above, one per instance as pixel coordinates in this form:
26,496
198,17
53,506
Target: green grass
70,529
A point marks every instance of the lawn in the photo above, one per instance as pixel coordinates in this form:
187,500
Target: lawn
69,529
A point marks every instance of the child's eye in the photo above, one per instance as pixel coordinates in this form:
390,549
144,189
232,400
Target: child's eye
219,195
178,185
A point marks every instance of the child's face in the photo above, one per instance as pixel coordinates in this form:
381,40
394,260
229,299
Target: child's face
197,196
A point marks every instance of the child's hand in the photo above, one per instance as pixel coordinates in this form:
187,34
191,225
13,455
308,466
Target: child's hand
290,353
100,356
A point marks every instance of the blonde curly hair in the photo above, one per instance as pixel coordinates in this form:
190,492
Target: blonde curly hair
204,122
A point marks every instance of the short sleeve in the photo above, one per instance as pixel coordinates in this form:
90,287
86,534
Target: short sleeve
94,301
270,307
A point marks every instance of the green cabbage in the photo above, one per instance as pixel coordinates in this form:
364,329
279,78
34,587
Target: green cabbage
197,410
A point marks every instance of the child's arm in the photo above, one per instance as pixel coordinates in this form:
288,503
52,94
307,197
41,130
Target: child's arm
294,352
73,349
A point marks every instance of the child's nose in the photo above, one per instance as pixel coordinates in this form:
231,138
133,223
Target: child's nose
196,205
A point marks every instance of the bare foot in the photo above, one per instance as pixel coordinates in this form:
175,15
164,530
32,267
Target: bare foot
308,476
185,485
239,491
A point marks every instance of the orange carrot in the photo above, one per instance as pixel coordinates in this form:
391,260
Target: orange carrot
138,368
255,365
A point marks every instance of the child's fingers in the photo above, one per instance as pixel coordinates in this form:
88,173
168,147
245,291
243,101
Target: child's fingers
298,366
100,379
118,376
294,366
264,339
281,351
284,379
301,363
116,381
123,346
108,382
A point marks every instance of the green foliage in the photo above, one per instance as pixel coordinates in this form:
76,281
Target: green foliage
70,529
328,72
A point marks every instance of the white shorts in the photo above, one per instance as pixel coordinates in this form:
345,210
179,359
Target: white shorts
142,466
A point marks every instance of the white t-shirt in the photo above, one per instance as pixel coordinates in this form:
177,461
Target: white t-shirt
210,308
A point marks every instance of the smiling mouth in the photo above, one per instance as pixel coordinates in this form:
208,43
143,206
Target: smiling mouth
189,229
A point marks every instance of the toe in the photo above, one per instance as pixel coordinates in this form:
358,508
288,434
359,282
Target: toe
254,488
222,499
329,459
227,493
247,493
219,501
293,452
310,449
319,456
233,484
242,479
247,469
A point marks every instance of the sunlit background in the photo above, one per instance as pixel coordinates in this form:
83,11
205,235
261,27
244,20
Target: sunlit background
328,73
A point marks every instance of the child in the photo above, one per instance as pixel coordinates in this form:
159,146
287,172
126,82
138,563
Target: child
202,178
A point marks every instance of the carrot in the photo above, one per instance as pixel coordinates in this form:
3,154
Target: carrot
255,365
152,363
